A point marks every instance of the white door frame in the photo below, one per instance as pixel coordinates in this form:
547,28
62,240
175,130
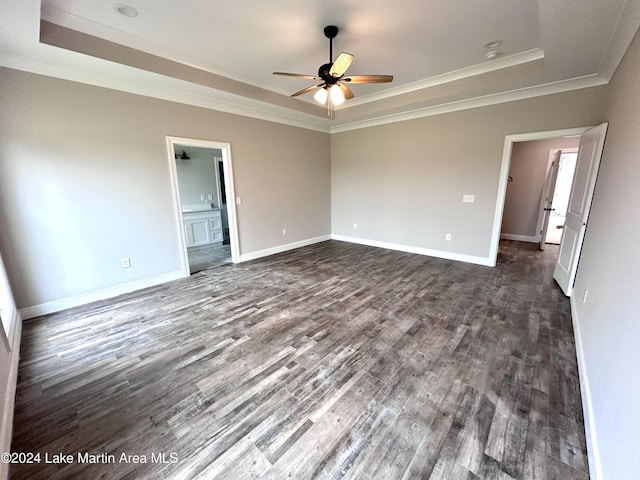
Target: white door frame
509,140
229,186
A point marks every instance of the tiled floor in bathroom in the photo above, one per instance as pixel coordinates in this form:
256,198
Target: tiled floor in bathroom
208,256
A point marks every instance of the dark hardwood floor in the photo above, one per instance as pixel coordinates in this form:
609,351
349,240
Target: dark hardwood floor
331,361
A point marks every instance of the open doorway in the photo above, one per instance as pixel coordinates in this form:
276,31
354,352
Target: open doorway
581,195
532,220
530,188
202,178
559,193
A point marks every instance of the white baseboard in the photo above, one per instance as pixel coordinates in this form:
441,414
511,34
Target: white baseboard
8,402
84,298
460,257
283,248
593,452
520,238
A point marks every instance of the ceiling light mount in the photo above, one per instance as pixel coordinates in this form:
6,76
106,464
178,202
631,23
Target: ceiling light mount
330,31
493,44
125,10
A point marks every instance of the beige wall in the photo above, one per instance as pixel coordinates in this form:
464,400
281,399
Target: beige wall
403,183
609,322
528,169
84,182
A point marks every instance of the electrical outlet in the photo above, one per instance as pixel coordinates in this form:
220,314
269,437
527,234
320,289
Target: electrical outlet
210,197
284,230
238,200
202,197
584,295
126,263
355,226
447,237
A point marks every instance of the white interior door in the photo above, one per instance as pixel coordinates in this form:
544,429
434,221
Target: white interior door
547,196
584,183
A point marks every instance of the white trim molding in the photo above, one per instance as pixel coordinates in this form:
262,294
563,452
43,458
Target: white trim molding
229,183
483,101
8,402
455,75
593,451
623,35
509,140
459,257
283,248
102,294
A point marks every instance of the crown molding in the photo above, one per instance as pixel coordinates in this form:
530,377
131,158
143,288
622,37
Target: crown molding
21,50
101,73
479,69
626,28
483,101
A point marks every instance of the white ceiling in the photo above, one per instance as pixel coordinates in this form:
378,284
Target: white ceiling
435,50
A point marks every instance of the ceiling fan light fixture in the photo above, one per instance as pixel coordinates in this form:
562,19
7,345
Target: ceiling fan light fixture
333,90
321,96
337,97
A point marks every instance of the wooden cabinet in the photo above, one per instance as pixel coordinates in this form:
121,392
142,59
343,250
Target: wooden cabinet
203,228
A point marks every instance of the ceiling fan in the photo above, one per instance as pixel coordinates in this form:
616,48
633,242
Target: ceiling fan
334,90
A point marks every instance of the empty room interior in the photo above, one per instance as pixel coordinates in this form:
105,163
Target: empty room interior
319,240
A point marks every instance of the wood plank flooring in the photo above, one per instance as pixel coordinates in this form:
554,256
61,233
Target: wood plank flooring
333,361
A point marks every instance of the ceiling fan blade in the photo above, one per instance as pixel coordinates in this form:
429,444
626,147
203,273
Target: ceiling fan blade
368,79
346,91
341,64
305,90
297,75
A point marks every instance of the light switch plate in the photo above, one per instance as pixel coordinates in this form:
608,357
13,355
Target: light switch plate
468,198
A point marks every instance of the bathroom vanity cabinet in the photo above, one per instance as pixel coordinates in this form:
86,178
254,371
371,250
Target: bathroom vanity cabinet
203,228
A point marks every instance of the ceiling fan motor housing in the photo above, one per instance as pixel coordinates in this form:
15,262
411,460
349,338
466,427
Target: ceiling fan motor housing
323,72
